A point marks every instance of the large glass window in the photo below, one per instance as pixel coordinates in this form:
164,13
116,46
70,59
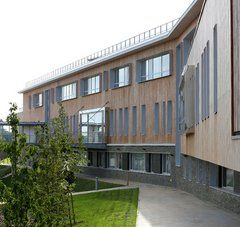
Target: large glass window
138,161
92,125
120,77
69,91
92,85
155,67
115,160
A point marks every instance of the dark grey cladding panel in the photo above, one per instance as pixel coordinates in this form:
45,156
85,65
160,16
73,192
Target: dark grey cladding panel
144,149
125,161
97,146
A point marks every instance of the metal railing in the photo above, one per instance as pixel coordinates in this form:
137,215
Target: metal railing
147,35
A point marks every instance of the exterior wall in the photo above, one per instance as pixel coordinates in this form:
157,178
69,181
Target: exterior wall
136,94
187,182
212,140
131,175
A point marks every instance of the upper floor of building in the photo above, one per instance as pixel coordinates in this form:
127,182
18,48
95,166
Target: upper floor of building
131,85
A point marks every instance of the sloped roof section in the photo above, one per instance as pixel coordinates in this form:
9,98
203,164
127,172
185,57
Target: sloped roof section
162,33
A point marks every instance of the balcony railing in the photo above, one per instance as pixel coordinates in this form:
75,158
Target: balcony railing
135,40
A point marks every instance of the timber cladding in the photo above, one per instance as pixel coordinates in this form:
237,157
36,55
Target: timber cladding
159,90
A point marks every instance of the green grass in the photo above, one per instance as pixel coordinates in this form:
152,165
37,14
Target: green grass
111,208
83,184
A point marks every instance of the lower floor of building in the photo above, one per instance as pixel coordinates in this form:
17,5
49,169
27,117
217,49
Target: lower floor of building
156,165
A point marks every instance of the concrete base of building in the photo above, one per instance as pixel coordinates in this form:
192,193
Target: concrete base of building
182,179
143,177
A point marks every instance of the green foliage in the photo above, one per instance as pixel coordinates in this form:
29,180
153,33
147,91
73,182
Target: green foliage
39,192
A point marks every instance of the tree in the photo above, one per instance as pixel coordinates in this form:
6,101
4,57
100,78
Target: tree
41,185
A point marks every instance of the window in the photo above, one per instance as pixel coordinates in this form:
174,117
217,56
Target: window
120,122
143,117
215,62
100,159
235,48
38,100
169,117
156,119
92,125
165,164
69,91
197,94
120,77
111,123
138,161
115,160
226,178
205,82
90,85
155,163
90,158
125,121
164,117
154,68
134,120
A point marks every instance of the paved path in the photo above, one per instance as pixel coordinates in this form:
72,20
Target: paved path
164,206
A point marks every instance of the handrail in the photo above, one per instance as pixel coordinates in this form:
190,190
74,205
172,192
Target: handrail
144,36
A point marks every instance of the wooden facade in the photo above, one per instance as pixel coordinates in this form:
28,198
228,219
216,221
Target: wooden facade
148,93
213,140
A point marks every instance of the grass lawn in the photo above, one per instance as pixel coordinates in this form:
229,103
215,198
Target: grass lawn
83,184
112,208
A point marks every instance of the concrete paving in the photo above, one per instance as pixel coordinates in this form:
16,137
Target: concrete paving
164,206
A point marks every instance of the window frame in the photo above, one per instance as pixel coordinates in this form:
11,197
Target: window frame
144,156
86,82
87,124
115,72
36,101
70,96
140,62
118,157
235,127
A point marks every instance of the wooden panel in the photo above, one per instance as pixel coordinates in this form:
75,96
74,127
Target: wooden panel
213,139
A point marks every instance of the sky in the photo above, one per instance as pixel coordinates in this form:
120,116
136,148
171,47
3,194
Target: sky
39,36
